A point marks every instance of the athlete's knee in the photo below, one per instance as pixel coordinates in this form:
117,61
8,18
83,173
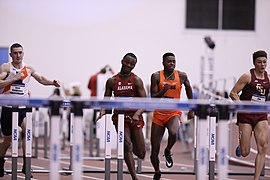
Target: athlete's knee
153,157
245,152
7,141
173,133
154,153
141,154
128,147
262,147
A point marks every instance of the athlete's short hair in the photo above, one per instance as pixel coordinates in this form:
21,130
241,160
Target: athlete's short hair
167,54
130,54
259,53
15,45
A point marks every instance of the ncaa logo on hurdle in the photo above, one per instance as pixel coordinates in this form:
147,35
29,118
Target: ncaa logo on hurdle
15,134
108,136
28,134
78,153
202,153
55,153
223,156
212,139
121,136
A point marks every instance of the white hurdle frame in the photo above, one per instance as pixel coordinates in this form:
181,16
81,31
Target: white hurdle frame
71,145
108,147
36,130
28,142
212,141
120,146
54,146
77,147
15,135
201,107
223,141
202,144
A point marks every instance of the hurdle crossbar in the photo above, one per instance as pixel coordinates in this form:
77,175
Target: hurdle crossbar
150,104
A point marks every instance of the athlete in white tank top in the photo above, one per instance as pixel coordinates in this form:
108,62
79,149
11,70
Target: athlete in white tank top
14,80
20,87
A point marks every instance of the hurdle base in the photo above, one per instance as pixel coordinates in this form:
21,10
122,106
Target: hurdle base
143,172
67,171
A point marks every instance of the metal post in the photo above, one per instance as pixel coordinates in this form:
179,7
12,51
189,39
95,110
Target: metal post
212,141
45,148
64,121
108,149
71,139
94,141
139,166
78,140
36,130
202,142
195,143
120,146
28,143
223,141
15,133
91,138
55,140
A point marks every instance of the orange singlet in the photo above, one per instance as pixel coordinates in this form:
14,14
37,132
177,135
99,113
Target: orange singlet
161,117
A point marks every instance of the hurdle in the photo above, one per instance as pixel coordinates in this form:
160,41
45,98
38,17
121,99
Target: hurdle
131,105
15,103
55,142
216,98
201,108
15,130
107,148
231,109
36,131
54,147
28,142
213,115
223,141
71,141
201,169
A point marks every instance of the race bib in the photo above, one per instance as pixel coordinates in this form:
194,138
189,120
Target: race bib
17,89
258,98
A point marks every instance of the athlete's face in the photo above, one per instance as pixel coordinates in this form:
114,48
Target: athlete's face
260,64
169,63
128,64
17,55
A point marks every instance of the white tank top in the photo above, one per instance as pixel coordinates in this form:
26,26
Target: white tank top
18,88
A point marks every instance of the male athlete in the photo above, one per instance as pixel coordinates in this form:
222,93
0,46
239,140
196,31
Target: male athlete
167,84
127,84
254,86
14,82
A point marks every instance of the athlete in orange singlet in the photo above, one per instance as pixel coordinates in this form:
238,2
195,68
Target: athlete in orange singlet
167,84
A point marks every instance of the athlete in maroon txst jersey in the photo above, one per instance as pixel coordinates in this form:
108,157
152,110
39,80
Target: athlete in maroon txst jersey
127,84
255,88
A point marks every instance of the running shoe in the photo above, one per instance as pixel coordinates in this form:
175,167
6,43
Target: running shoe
157,175
168,157
237,151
